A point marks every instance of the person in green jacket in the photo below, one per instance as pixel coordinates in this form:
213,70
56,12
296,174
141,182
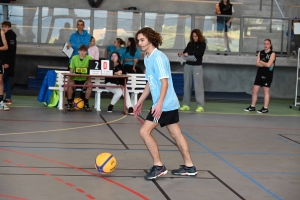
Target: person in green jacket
80,65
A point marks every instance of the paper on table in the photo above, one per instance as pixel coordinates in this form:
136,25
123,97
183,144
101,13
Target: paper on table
190,58
67,52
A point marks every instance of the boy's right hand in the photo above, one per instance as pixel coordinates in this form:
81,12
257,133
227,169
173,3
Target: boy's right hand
179,54
137,109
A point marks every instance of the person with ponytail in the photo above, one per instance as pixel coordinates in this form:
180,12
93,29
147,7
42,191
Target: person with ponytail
265,62
118,46
131,57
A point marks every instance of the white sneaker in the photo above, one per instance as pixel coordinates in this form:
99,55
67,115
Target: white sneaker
3,106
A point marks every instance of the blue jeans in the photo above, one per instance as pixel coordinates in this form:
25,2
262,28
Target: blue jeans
7,86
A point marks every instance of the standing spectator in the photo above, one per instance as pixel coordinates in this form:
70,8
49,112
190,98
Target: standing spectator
9,60
194,71
265,62
224,23
295,38
3,48
131,57
80,37
93,50
118,46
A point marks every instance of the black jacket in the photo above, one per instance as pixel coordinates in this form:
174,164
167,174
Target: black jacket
197,49
118,81
10,53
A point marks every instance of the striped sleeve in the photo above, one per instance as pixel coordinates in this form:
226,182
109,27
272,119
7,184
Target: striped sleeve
162,68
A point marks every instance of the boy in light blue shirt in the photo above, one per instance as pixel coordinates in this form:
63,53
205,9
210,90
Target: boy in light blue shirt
164,110
157,68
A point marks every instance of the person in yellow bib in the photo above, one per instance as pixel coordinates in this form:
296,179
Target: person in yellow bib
80,65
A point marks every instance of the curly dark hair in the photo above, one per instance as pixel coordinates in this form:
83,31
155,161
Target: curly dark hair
153,36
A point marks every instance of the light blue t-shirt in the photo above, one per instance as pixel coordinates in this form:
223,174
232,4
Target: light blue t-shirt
112,48
128,55
158,67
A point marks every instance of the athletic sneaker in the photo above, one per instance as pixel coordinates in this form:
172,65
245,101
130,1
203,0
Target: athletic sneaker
87,107
7,101
70,107
263,110
200,109
156,171
249,109
185,171
130,111
184,108
110,108
3,106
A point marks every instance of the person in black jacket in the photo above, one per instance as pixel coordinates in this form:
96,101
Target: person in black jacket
9,60
118,92
194,71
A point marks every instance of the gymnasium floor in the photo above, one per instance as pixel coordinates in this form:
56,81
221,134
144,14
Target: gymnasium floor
46,154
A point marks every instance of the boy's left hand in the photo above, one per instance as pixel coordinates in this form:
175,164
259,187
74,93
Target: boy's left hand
156,111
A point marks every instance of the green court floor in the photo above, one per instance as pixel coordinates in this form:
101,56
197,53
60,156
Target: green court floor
277,107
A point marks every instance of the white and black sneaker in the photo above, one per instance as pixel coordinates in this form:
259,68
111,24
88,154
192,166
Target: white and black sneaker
263,110
110,108
249,109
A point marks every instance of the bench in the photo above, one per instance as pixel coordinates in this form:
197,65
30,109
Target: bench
59,85
135,85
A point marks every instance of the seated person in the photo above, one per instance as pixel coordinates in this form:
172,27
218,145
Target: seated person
80,64
295,38
131,57
118,92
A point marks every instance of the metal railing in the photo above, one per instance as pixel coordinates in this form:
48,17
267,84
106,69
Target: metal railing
40,25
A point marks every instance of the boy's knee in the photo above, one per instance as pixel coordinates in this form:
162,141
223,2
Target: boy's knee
144,132
88,83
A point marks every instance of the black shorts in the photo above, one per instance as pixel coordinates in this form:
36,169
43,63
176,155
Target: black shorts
263,81
80,83
166,118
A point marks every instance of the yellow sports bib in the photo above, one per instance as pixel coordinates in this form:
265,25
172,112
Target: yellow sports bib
81,70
